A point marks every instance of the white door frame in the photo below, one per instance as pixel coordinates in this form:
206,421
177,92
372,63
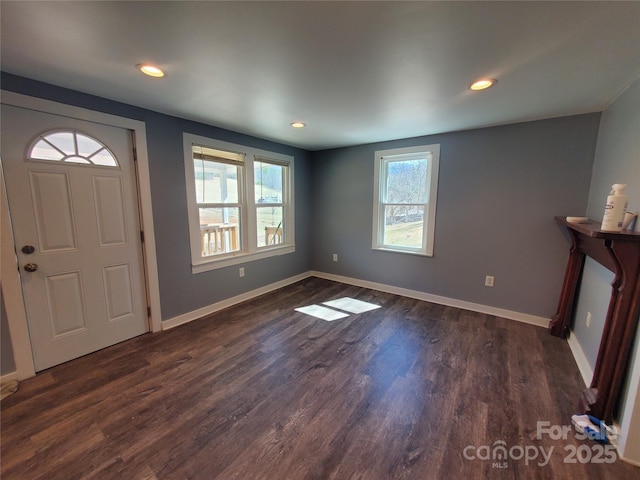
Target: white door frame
10,280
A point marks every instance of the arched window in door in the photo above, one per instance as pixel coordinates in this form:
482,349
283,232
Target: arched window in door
70,146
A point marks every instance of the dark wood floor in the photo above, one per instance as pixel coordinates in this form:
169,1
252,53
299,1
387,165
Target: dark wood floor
412,390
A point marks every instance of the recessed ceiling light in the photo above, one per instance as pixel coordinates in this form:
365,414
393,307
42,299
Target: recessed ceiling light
482,84
150,70
297,124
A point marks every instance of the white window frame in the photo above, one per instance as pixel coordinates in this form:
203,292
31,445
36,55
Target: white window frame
382,157
286,180
249,250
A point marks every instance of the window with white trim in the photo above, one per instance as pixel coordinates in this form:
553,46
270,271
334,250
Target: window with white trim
404,204
240,202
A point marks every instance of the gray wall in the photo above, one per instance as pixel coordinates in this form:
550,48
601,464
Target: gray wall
498,191
617,160
181,291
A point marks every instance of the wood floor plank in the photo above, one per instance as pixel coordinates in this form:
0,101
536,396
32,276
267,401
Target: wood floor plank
411,390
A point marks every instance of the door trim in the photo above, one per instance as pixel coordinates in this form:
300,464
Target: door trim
14,302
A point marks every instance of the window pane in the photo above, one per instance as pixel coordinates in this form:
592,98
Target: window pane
216,182
44,151
406,181
86,145
404,225
64,141
270,225
219,230
104,157
268,182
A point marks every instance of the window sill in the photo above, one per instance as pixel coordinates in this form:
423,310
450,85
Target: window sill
238,258
397,250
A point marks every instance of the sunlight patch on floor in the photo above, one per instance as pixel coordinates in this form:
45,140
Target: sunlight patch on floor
351,305
324,313
346,304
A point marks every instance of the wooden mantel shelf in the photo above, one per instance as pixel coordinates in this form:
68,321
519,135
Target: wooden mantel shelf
620,253
592,229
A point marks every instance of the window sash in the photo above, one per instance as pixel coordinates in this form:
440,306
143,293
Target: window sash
284,180
381,233
268,236
218,168
386,164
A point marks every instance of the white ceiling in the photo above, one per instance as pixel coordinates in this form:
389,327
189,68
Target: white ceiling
355,73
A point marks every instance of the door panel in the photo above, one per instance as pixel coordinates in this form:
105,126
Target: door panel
110,213
87,291
119,291
65,302
52,206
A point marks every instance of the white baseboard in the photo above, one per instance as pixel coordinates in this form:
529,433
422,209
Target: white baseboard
581,359
635,463
614,442
208,310
450,302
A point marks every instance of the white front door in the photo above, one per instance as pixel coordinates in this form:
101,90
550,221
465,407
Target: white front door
72,196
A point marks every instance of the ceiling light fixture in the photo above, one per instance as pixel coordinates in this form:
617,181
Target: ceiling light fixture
483,84
150,70
297,124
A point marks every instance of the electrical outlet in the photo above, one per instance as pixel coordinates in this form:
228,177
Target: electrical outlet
335,257
588,321
241,271
488,281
